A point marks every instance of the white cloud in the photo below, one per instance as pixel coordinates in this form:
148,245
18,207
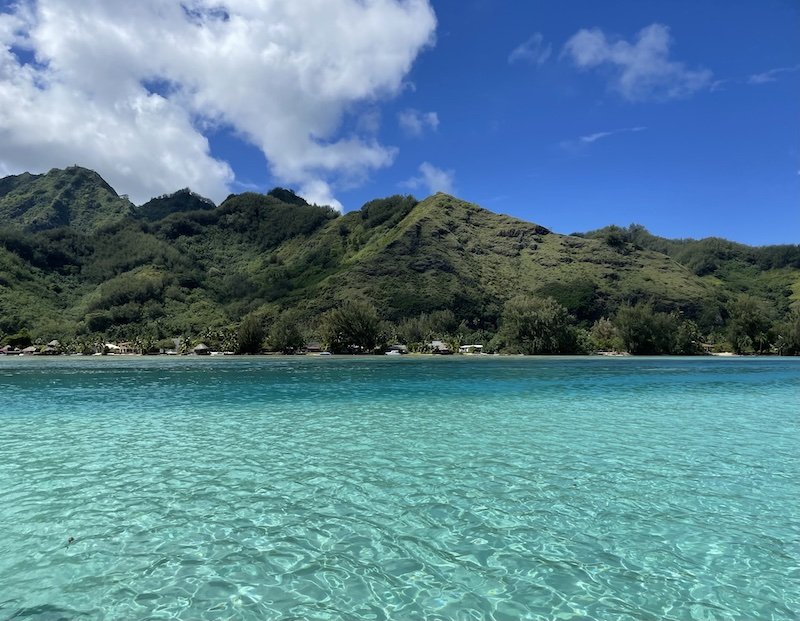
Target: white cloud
319,192
414,122
582,142
771,75
281,74
532,51
432,179
588,139
641,70
598,135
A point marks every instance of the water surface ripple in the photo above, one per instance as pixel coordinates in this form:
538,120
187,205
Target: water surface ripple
503,489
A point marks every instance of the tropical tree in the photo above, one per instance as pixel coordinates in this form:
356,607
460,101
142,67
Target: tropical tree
250,335
687,340
285,334
643,330
353,326
20,340
604,335
531,325
414,331
748,328
787,335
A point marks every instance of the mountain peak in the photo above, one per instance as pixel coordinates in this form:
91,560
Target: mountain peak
287,196
456,208
73,196
178,202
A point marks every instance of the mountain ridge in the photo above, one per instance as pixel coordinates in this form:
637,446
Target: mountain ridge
73,196
181,264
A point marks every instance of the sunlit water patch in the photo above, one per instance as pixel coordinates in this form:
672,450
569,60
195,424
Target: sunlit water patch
474,488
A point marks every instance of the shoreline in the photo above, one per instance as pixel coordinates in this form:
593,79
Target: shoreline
376,357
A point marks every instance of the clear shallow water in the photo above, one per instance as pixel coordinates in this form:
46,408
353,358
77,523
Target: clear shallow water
399,488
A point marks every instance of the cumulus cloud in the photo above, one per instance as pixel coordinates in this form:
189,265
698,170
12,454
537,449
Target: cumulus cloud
432,179
132,88
641,70
533,51
414,123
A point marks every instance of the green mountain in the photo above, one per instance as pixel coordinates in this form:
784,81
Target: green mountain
78,260
74,197
770,273
444,253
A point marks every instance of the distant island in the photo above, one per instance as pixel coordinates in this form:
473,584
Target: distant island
82,267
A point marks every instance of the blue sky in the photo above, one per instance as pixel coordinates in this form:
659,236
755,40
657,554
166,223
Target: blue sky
682,116
722,161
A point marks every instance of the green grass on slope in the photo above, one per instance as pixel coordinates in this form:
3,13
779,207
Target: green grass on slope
450,254
182,265
75,196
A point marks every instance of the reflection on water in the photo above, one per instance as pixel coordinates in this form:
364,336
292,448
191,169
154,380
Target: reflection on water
255,488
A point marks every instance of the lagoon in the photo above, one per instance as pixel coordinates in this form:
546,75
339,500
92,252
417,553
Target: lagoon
399,488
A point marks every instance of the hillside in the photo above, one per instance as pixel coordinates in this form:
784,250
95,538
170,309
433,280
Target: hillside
771,273
74,197
78,260
449,254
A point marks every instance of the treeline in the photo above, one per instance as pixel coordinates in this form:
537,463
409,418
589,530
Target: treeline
527,325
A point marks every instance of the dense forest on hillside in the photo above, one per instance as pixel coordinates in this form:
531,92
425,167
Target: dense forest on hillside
82,265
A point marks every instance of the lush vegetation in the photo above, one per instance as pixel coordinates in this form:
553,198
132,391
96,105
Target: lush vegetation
536,326
769,273
72,197
642,330
353,327
271,271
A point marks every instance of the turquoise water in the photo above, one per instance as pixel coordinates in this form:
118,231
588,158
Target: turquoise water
457,488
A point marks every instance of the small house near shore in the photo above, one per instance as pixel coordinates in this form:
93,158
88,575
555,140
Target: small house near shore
439,347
